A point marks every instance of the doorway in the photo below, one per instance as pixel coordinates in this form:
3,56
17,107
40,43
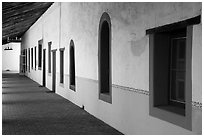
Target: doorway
53,70
104,60
72,66
44,67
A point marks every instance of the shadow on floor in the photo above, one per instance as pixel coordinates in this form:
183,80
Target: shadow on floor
32,110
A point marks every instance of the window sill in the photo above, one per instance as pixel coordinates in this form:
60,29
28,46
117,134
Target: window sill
105,97
61,85
173,109
72,87
172,115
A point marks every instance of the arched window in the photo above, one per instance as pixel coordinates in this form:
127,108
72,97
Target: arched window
104,52
71,66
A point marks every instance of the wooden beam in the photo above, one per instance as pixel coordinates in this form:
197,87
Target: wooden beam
17,17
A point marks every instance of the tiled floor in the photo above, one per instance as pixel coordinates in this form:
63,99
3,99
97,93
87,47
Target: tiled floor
29,109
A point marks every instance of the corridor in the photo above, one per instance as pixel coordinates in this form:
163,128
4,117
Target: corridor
102,68
29,109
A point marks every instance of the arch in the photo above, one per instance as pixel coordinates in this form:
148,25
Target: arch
104,52
71,66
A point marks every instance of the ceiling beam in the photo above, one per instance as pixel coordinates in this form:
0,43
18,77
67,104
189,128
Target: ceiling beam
18,17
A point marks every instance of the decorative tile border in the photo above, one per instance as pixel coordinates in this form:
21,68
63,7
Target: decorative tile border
197,105
140,91
145,92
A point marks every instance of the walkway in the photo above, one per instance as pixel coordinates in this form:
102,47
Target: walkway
32,110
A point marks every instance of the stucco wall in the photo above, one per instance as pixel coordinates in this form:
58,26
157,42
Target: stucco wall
46,28
11,58
129,112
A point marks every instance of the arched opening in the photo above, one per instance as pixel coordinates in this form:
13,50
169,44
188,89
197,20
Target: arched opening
71,66
61,65
105,58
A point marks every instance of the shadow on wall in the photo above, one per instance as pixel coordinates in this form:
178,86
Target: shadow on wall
138,46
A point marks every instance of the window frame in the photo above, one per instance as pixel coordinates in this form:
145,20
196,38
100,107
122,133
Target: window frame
49,57
40,50
61,50
32,58
26,63
29,59
72,75
35,57
185,120
107,96
171,100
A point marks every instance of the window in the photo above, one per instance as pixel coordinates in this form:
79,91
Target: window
26,59
62,65
177,70
39,54
71,66
32,58
35,58
170,49
105,84
49,57
169,70
29,59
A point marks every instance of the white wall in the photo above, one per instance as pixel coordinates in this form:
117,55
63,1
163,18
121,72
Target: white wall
129,111
11,58
46,28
